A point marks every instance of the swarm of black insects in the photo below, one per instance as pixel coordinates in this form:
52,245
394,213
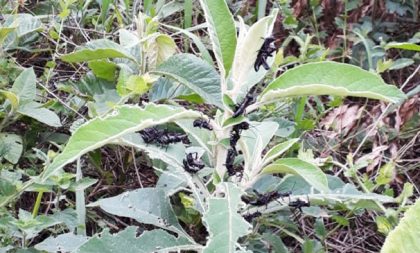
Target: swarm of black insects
162,137
262,199
235,135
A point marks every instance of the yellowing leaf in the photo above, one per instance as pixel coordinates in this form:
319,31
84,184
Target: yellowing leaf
137,85
14,100
159,50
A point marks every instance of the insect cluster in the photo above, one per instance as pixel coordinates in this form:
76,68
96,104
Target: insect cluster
264,199
267,50
192,163
162,137
202,123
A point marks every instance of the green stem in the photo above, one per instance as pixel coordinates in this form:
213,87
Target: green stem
80,203
37,204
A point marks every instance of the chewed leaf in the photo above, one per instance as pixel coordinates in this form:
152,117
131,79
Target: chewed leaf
145,205
128,242
330,78
63,243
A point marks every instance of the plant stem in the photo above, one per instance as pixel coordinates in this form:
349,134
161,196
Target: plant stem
80,203
37,204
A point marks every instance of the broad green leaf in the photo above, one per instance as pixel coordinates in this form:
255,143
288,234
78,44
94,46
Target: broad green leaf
401,63
14,100
171,182
278,150
24,23
250,41
403,45
103,130
222,31
145,205
127,241
62,243
164,88
98,49
10,147
36,111
311,173
330,78
25,86
31,226
224,224
405,237
103,69
194,73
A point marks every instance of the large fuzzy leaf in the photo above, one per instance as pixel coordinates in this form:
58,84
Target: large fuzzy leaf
311,173
405,237
250,41
330,78
222,31
10,147
194,73
103,130
98,49
63,243
145,205
36,111
25,86
16,26
223,222
126,241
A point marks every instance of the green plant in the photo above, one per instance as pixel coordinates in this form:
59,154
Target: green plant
145,60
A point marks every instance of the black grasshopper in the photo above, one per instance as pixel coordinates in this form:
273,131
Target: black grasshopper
267,50
202,123
192,163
